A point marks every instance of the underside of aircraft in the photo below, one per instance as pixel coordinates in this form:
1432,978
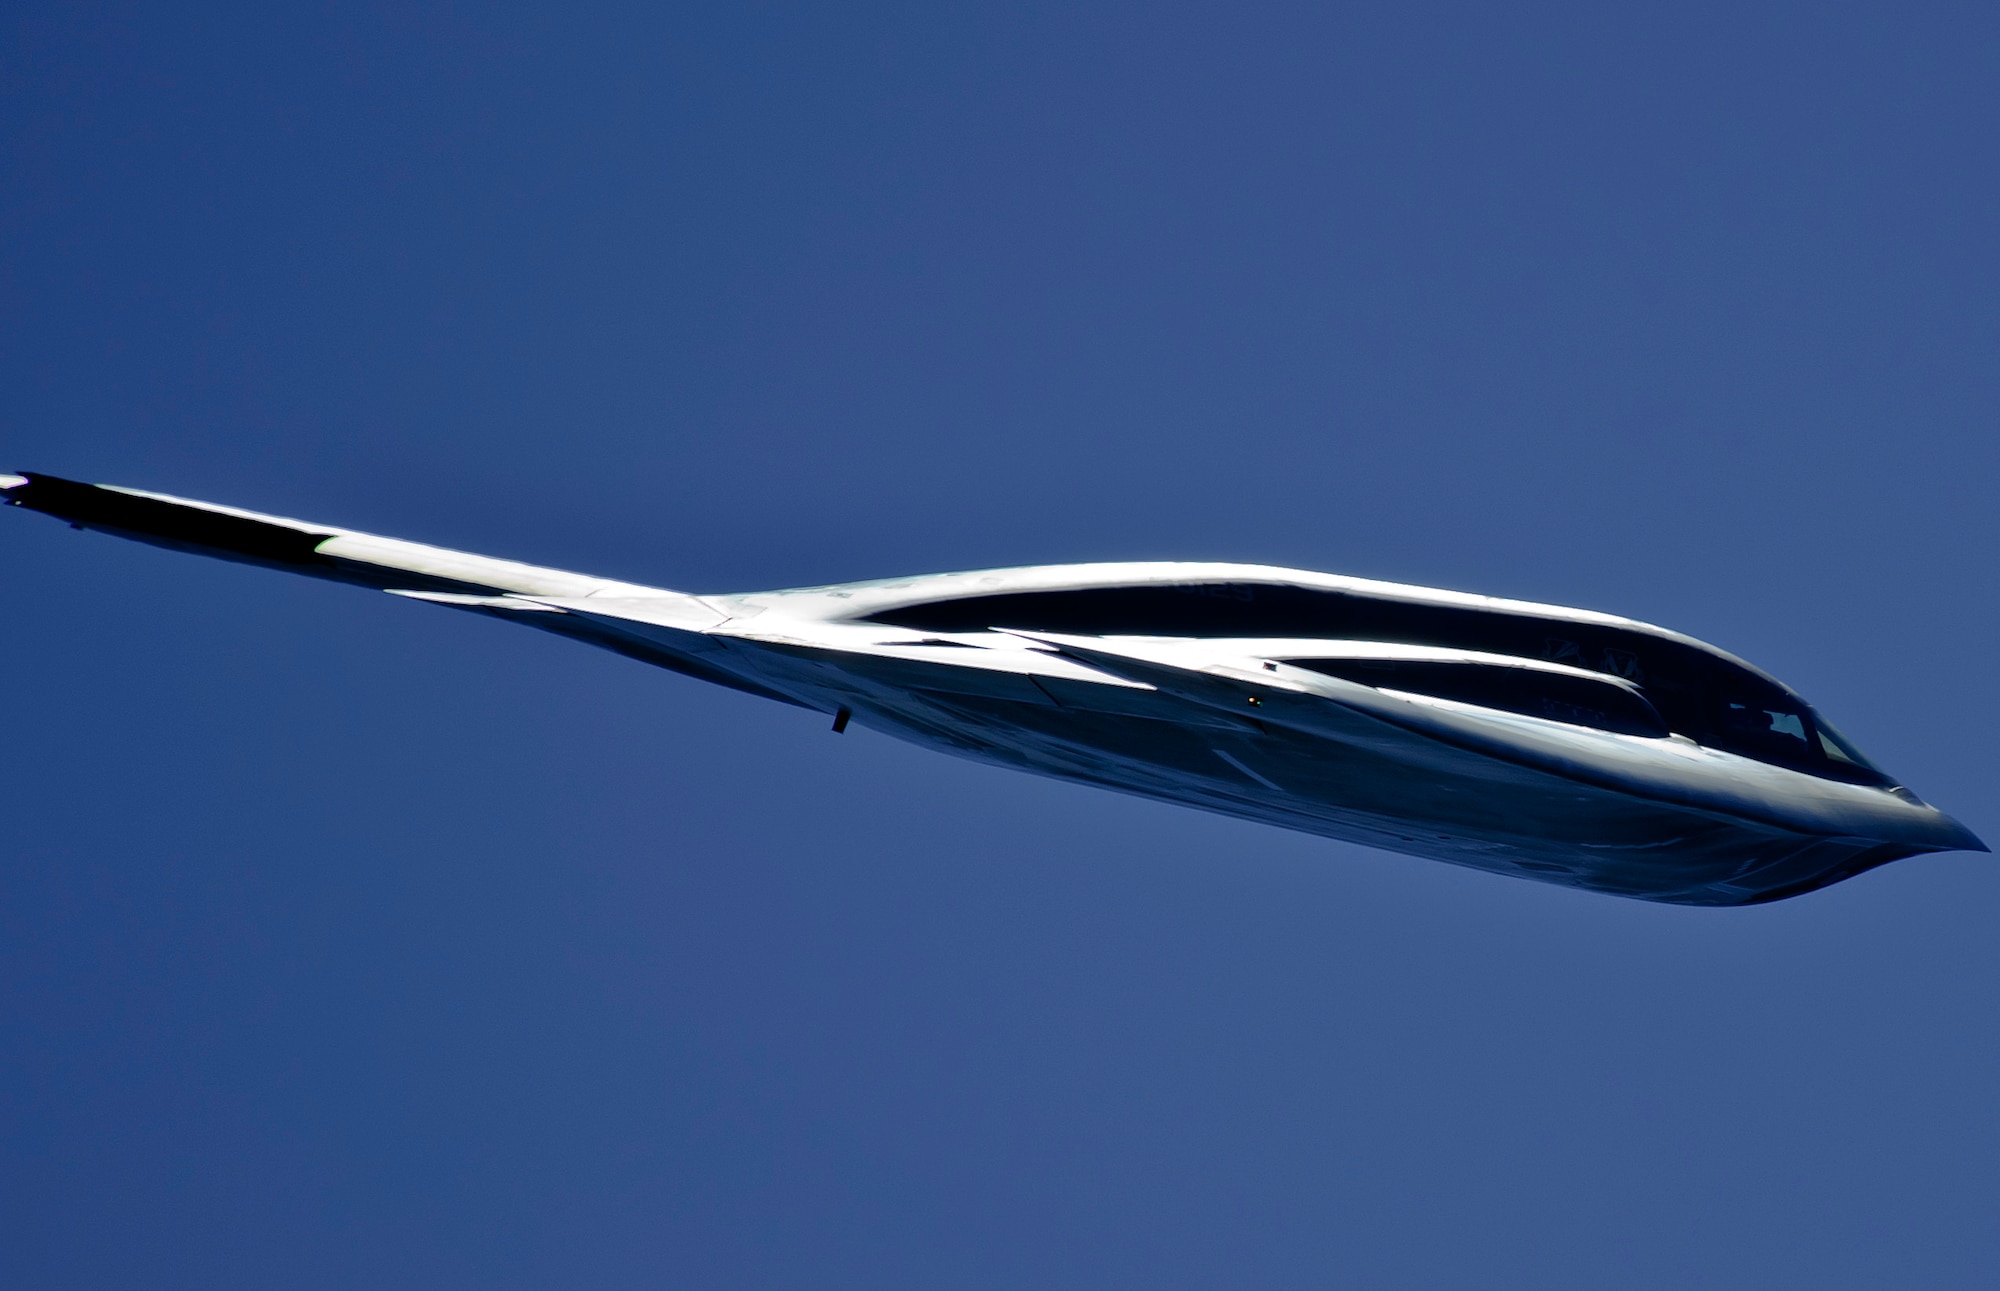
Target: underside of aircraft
1555,744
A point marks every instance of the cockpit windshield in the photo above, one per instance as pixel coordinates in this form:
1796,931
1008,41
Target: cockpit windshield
1841,749
1773,728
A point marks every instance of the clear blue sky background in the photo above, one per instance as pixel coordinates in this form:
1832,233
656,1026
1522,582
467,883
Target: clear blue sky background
347,942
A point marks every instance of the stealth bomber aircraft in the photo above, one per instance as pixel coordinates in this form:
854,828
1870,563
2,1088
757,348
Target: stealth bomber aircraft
1562,745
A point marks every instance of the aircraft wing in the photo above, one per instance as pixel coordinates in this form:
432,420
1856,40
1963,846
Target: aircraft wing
437,575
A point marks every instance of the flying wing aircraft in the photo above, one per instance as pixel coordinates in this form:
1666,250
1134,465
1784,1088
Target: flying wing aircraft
1555,744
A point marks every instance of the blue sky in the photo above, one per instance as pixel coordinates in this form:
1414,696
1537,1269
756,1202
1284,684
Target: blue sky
344,941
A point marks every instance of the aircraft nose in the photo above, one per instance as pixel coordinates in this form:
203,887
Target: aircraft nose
1935,829
1961,838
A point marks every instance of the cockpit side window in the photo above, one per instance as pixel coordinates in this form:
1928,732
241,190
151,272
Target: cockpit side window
1778,729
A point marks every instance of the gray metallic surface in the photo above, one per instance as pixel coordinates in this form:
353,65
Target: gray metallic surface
1231,724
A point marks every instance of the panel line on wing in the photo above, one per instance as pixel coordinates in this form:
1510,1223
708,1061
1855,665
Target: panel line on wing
1236,762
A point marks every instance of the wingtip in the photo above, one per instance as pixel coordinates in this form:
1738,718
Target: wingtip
10,482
